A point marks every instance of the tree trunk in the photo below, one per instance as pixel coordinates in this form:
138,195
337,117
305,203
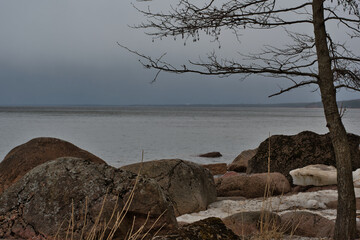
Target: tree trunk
345,227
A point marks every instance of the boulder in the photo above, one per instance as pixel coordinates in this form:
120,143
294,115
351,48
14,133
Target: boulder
216,168
42,202
319,175
210,155
252,223
231,173
190,187
207,229
240,163
297,151
334,204
25,157
252,186
307,224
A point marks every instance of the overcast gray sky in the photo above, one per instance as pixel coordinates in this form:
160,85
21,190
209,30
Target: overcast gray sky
65,52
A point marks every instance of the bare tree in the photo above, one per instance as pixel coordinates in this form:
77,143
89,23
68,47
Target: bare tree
309,59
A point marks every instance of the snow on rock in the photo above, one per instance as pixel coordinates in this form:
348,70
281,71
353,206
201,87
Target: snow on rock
356,178
319,175
313,201
316,175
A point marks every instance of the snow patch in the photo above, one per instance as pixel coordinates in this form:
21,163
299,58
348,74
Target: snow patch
312,201
319,175
315,175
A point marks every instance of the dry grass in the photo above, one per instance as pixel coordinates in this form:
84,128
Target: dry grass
270,228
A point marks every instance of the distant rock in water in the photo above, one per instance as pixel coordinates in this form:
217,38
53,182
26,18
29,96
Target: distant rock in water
190,187
297,151
37,151
41,203
211,155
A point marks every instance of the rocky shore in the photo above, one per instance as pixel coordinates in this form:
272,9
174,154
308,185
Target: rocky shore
51,189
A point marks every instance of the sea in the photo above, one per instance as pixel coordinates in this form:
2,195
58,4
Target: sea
119,135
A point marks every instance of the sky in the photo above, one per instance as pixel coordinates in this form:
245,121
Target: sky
66,53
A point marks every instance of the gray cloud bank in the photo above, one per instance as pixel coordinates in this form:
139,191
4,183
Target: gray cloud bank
65,52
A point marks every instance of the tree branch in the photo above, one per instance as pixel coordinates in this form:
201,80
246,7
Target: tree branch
297,85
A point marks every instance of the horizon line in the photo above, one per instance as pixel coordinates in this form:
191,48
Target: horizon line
288,104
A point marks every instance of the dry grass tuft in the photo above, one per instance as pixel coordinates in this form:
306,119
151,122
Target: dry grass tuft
270,227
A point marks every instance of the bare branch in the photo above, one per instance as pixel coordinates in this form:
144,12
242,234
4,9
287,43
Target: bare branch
293,87
346,58
347,87
188,18
296,61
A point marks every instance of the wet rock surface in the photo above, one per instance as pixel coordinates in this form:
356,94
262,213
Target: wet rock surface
37,151
41,203
297,151
190,187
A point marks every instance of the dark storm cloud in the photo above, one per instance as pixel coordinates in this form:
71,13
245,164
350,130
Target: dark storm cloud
65,52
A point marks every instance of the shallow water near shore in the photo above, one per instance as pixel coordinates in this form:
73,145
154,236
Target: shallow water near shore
119,134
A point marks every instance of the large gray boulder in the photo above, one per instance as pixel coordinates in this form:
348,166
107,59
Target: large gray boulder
37,151
41,203
297,151
190,187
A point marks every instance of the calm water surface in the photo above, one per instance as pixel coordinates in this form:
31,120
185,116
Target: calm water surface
118,135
